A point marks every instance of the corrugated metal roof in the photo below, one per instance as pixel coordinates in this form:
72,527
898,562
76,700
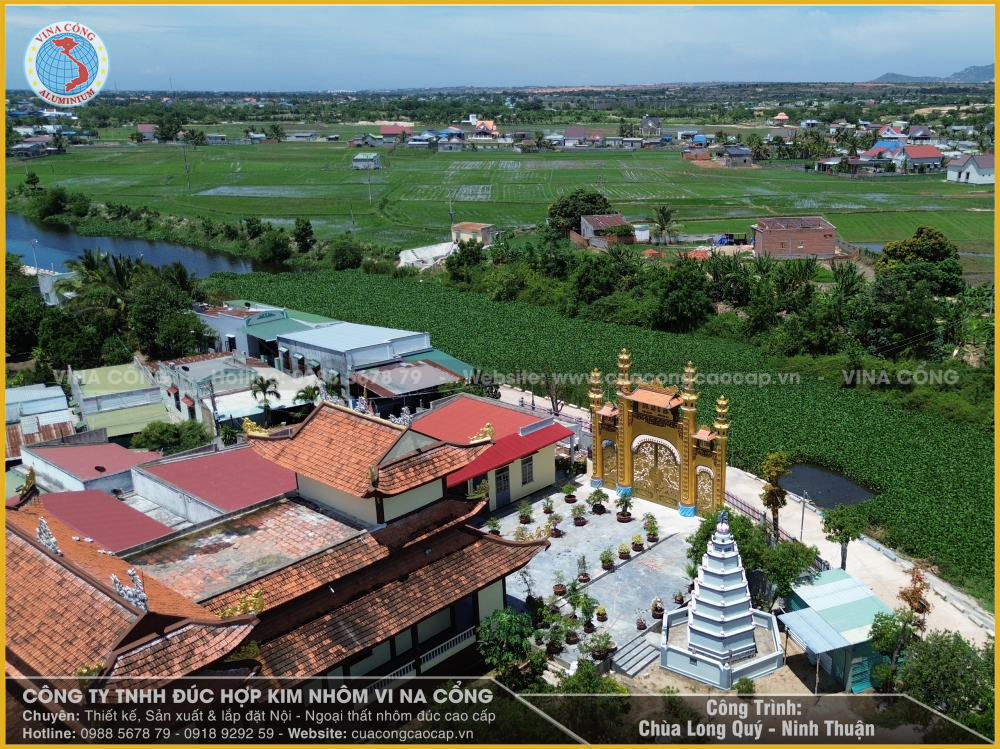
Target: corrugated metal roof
508,449
269,331
16,437
845,603
854,615
127,420
347,336
111,522
809,627
27,393
56,417
118,379
447,361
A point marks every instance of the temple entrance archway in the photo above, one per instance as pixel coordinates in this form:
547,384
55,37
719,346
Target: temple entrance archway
705,491
656,471
610,467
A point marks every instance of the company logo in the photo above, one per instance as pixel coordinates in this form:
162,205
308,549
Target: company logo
66,64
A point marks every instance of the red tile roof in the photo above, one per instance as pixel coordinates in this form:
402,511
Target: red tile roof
575,132
364,622
603,222
471,226
430,463
113,524
459,418
82,461
508,449
393,130
146,128
654,397
705,434
229,479
923,152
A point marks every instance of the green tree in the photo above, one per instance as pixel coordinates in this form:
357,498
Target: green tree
273,247
785,563
762,309
275,132
504,639
253,227
565,213
181,334
67,339
24,309
468,255
684,301
196,138
841,525
346,253
309,394
303,235
152,302
51,202
168,438
774,496
263,389
31,181
926,244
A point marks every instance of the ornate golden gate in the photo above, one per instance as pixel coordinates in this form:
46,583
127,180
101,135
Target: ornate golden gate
610,473
656,473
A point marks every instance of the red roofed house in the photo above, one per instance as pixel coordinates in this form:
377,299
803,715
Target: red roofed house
797,235
147,131
573,136
104,467
486,129
595,226
918,158
470,231
521,459
393,133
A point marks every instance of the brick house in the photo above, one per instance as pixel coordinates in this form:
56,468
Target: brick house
738,156
392,134
798,236
595,226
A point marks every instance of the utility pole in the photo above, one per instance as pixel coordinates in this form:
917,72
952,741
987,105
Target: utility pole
451,213
187,172
370,169
353,228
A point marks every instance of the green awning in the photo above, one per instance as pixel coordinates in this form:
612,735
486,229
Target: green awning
269,331
282,349
445,360
298,357
127,420
314,364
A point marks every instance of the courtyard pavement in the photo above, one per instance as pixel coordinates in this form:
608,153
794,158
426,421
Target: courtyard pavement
628,589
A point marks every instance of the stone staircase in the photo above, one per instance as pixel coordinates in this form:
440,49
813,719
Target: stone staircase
634,656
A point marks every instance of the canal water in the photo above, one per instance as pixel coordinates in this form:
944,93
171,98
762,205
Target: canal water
826,488
57,243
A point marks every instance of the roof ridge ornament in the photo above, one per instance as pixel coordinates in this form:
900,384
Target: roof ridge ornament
45,537
483,435
135,595
249,427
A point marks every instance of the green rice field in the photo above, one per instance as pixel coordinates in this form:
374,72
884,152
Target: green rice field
406,204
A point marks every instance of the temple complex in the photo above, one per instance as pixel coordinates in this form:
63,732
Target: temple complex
649,442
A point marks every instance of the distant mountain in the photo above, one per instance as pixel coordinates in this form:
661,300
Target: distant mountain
972,74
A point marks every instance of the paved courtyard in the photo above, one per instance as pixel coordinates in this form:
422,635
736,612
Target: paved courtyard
628,589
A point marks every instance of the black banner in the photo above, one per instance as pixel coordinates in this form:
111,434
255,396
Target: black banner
211,710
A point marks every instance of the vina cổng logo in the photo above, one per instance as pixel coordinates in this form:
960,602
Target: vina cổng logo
66,64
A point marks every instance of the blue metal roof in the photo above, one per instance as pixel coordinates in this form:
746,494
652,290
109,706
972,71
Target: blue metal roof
809,626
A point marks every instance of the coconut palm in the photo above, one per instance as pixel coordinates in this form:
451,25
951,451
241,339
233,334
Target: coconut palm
102,281
773,496
263,389
849,279
664,223
308,394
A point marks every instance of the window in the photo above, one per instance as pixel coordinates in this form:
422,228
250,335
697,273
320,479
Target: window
230,343
286,360
527,470
177,400
191,412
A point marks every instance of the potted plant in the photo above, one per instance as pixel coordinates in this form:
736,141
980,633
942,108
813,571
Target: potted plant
582,573
493,526
624,552
578,513
640,623
637,544
624,504
572,636
547,506
596,501
539,637
602,614
554,521
559,588
588,605
691,570
557,635
524,512
608,559
573,598
651,527
599,646
569,493
656,607
678,597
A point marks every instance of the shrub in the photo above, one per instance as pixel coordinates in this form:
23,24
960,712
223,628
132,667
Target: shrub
744,685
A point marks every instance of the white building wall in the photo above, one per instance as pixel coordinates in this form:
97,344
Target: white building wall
434,624
49,475
544,473
380,654
171,498
490,599
414,499
357,507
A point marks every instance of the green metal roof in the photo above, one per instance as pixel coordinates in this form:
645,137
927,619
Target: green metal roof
842,601
269,331
122,378
127,420
292,313
447,361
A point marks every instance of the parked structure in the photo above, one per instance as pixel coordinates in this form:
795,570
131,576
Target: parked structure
795,236
973,169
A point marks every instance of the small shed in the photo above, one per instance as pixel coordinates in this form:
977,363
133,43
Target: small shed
216,139
367,160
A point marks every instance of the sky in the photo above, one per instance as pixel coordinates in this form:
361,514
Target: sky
316,48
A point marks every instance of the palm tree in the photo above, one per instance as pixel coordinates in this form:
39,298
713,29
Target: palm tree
265,388
308,394
849,278
663,220
102,281
186,280
773,495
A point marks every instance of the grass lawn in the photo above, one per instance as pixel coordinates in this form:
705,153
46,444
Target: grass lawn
406,204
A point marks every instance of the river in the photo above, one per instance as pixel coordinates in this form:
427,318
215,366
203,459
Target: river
57,243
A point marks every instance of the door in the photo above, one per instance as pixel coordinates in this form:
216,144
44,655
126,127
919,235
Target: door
610,472
656,474
503,486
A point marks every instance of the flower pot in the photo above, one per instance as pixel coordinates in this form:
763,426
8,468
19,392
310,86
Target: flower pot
553,649
584,578
525,519
548,510
599,509
602,617
678,601
570,498
494,533
624,555
599,655
559,590
613,647
691,588
658,613
556,533
640,624
572,638
579,521
589,628
637,547
624,517
651,538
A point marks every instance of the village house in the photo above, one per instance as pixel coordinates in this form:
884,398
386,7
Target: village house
35,413
613,141
783,133
596,226
779,120
650,127
302,135
738,156
75,468
450,143
485,130
800,236
367,140
414,385
574,136
147,131
392,134
973,169
918,158
366,160
122,399
468,231
696,154
920,134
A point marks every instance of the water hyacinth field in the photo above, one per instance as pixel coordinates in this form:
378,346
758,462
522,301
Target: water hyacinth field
934,478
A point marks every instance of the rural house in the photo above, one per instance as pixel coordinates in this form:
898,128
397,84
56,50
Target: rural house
597,226
147,131
799,236
738,156
469,231
650,127
392,134
574,136
367,160
918,158
973,169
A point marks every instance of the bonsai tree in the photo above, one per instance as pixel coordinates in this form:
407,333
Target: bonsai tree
572,636
607,558
599,645
493,525
650,525
602,613
557,635
582,567
841,525
773,496
548,505
524,511
578,512
656,604
597,499
588,605
559,587
624,505
503,638
624,551
568,491
637,541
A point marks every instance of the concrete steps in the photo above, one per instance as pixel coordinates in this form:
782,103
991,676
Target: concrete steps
634,656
